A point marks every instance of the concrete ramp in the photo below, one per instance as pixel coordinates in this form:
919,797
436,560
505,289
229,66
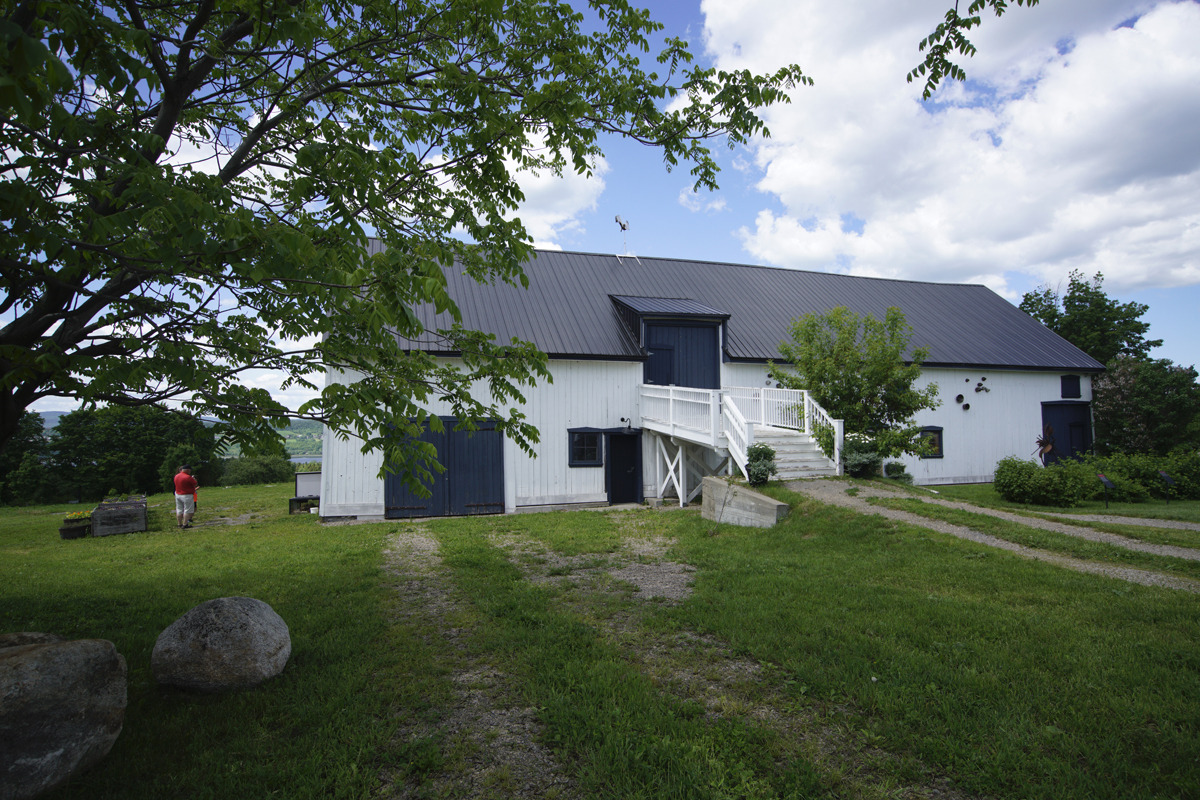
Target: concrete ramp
738,504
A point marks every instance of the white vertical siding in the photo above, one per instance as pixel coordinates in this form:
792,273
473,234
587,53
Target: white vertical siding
1001,422
1004,421
350,482
584,394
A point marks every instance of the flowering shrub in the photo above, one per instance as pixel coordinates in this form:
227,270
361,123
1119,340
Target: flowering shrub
760,464
861,455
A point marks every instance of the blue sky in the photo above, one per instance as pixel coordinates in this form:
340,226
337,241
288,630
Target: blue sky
1074,145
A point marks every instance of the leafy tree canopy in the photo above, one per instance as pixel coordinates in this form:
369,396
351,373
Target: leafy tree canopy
188,189
122,448
1146,407
1091,320
856,370
189,186
950,37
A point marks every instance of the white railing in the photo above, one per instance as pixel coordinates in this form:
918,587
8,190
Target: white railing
726,417
673,409
788,408
819,425
779,408
739,434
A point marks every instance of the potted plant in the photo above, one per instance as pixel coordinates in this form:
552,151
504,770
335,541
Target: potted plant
76,525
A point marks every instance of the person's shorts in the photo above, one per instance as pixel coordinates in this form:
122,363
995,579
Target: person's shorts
185,504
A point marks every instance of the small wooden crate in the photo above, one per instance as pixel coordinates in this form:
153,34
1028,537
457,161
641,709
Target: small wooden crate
112,518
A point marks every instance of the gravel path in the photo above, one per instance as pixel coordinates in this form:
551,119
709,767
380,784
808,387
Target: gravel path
834,492
1190,553
1115,520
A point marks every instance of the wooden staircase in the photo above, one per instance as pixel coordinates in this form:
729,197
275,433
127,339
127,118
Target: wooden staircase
797,455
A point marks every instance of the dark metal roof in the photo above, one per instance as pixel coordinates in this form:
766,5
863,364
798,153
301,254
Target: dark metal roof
566,310
669,307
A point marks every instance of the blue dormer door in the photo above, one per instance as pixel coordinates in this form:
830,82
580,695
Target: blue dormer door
660,367
683,354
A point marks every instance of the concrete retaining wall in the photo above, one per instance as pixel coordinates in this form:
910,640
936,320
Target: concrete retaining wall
736,504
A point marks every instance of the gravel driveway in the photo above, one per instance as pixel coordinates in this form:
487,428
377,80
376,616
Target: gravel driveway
834,493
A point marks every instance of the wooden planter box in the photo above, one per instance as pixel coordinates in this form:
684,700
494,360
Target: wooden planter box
112,518
74,530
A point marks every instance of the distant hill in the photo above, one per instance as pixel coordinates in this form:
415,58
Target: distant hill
50,419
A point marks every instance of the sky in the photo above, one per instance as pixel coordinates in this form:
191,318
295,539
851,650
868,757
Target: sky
1073,145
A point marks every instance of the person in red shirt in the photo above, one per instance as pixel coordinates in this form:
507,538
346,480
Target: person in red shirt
185,496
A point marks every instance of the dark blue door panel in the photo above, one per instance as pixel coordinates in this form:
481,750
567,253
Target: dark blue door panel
1069,427
477,483
660,367
472,483
692,350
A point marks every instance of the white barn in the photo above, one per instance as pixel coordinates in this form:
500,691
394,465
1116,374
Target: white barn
660,378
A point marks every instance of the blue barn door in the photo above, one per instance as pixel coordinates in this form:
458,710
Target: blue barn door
660,367
476,485
472,483
1070,429
693,351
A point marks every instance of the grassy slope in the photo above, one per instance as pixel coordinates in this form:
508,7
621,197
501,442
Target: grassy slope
1012,678
1016,678
314,731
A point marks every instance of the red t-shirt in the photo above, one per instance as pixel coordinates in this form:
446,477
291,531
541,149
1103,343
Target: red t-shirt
185,484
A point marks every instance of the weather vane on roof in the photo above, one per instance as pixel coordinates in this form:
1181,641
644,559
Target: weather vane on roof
624,227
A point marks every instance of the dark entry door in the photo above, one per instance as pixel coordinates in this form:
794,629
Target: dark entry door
692,350
624,468
1070,429
660,367
473,482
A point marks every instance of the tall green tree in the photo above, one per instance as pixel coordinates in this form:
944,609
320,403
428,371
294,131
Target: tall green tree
1091,320
30,438
1146,406
189,186
122,448
860,370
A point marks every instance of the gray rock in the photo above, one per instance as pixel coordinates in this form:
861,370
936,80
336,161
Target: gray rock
221,645
62,704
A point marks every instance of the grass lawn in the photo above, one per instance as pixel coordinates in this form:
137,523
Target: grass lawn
885,657
317,730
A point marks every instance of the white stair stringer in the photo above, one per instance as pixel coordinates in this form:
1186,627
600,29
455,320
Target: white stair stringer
797,455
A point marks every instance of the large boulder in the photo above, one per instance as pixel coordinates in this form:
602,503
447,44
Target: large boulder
62,704
222,645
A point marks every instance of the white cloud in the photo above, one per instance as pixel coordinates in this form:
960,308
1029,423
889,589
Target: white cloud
1072,147
692,200
554,203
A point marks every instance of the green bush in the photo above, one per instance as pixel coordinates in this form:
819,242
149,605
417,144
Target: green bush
1064,484
760,464
246,471
860,455
206,471
896,471
1137,479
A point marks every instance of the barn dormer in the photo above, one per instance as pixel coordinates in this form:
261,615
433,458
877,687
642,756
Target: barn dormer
682,339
